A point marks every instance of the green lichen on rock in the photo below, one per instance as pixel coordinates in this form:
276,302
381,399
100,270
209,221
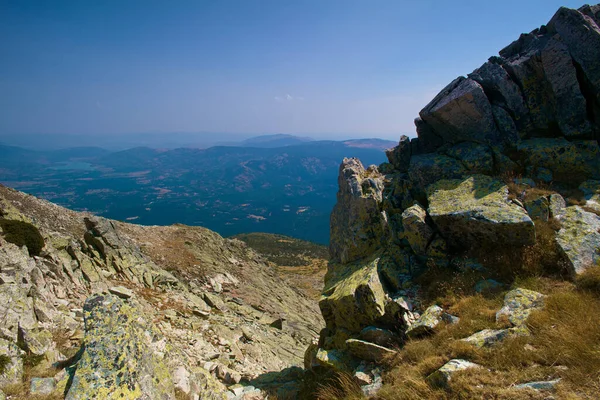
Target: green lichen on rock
476,210
579,238
591,192
431,318
122,357
486,337
518,305
568,160
442,376
353,297
11,363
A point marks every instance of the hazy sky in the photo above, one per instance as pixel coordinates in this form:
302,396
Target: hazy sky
342,67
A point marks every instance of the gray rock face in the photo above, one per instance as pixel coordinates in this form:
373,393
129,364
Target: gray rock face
462,112
518,305
416,230
428,168
357,223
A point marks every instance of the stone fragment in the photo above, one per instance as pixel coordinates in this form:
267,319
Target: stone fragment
486,337
540,385
121,291
379,336
442,376
426,323
518,304
335,359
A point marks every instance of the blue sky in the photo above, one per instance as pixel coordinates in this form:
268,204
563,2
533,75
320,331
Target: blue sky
324,68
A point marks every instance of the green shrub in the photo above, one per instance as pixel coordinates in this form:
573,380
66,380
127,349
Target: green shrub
23,234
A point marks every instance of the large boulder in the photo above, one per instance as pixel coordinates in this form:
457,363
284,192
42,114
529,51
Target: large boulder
476,210
476,158
579,238
462,112
591,192
358,226
123,355
354,297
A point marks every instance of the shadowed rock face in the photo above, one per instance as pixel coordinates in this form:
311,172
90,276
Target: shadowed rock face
531,111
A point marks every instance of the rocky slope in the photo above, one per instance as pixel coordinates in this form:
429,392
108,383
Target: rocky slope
505,157
94,308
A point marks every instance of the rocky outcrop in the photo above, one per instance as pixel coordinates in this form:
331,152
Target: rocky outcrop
496,155
357,223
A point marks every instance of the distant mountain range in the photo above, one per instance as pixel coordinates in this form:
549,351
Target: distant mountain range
278,184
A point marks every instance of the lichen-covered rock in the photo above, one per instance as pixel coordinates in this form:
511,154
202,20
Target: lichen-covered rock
357,224
476,210
486,337
416,231
476,158
568,160
335,359
425,325
368,351
538,208
462,112
428,168
518,305
42,386
579,238
557,205
123,356
353,297
11,371
442,376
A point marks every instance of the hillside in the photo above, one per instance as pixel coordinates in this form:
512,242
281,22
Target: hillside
202,297
300,262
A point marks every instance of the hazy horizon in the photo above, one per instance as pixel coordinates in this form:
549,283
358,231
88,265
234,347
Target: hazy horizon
325,69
